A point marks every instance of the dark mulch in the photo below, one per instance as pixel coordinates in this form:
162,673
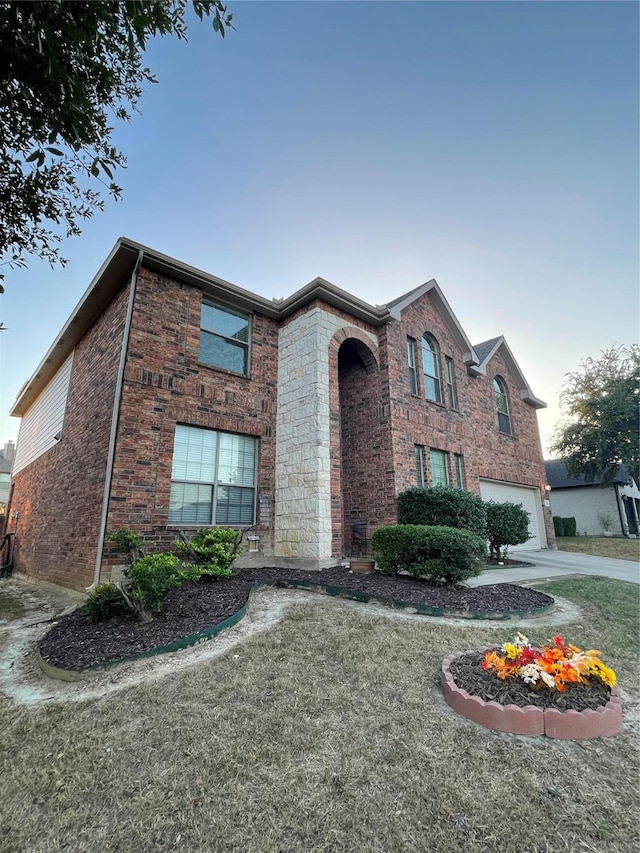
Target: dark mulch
75,643
469,675
508,563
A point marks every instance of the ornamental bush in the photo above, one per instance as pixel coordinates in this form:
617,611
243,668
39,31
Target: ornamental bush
442,506
441,554
149,580
104,601
569,526
558,525
507,524
213,549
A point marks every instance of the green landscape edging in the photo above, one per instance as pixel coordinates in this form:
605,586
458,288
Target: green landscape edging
335,591
176,646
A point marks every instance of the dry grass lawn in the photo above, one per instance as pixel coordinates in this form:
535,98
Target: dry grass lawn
326,733
601,546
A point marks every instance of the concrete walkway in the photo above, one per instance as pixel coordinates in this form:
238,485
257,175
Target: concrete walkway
554,564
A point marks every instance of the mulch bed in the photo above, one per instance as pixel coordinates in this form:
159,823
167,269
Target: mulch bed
75,643
469,675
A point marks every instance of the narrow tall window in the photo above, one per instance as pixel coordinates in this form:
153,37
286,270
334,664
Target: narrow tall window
411,364
451,388
419,452
432,390
439,472
458,465
224,338
213,477
502,406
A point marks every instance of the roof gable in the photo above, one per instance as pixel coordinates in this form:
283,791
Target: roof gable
432,289
487,349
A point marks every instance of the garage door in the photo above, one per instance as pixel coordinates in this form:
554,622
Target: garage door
492,490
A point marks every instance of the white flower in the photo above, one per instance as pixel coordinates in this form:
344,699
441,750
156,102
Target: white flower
530,673
549,680
521,640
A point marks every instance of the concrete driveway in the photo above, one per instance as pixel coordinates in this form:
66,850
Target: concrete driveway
553,564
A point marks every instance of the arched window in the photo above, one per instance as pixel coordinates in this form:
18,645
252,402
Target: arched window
502,406
431,370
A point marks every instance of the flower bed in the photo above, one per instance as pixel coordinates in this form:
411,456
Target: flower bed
557,690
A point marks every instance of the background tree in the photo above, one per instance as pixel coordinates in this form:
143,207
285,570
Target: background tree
602,429
67,72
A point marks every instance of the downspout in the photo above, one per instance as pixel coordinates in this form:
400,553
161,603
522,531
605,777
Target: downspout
114,423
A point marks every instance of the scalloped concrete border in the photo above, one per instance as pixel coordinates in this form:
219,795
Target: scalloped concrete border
334,591
606,721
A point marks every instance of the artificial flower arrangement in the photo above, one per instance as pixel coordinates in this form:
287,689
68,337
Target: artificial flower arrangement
552,667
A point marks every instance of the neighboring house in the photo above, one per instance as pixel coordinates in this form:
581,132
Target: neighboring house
172,399
6,461
590,504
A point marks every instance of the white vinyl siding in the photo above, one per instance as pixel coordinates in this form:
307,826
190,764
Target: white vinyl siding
44,419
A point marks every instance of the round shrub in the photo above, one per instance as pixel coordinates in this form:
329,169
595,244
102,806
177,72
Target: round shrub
442,506
150,579
507,524
104,601
213,548
441,554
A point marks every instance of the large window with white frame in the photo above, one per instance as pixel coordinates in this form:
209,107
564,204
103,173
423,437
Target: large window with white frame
439,467
431,369
224,338
213,477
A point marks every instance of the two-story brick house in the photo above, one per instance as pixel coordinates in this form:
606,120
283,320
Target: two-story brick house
172,399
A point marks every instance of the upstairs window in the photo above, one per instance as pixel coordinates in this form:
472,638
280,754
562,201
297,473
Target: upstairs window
411,364
439,468
213,477
430,369
224,338
502,406
452,400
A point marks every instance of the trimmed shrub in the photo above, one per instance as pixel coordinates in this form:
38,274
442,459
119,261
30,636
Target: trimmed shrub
507,524
441,554
149,580
442,506
127,542
558,525
213,549
569,526
104,601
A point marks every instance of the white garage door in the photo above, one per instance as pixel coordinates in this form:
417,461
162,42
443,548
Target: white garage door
492,490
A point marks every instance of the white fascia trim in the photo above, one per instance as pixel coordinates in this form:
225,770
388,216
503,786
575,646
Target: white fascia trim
433,289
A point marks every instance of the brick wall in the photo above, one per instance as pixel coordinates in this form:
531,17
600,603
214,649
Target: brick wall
164,385
59,495
470,430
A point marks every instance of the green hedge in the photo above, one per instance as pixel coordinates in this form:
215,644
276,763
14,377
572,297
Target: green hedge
507,524
441,554
558,525
569,526
442,506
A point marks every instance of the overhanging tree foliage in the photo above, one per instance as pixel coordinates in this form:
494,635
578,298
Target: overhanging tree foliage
603,406
67,72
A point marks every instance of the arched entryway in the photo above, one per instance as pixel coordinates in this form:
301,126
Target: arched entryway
356,440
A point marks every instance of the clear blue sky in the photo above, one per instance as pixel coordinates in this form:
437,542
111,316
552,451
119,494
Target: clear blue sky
491,145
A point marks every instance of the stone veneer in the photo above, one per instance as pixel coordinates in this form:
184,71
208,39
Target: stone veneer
303,527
